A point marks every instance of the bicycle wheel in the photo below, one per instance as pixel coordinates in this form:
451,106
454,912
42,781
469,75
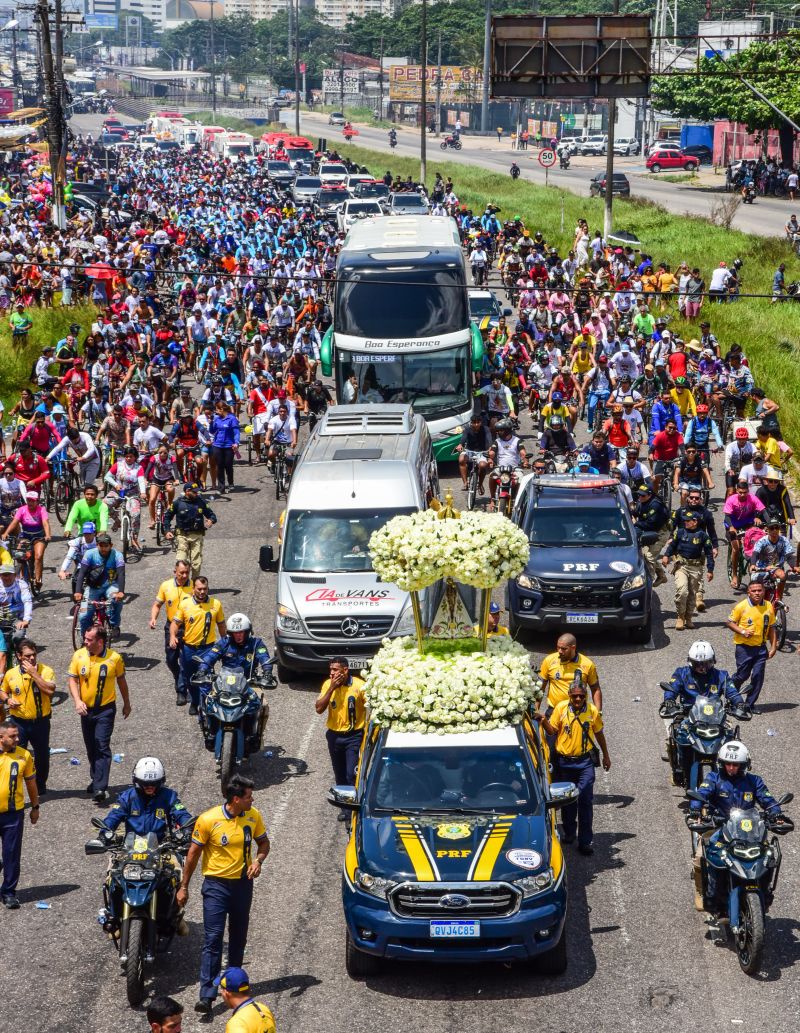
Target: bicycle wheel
125,534
472,486
61,501
780,624
278,477
159,521
77,637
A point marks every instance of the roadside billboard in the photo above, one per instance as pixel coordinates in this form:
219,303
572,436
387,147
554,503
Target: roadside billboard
457,83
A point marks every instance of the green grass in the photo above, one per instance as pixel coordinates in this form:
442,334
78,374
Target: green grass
677,177
236,125
49,326
356,113
769,334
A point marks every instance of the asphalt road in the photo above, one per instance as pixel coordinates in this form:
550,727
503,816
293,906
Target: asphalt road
767,217
641,958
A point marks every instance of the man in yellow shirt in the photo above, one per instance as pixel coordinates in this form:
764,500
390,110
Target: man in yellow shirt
201,618
766,444
223,837
249,1016
575,724
95,673
752,622
27,693
558,671
342,697
16,768
171,594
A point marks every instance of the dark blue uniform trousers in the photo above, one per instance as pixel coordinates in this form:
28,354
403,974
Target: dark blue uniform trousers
751,662
343,748
97,727
11,825
223,898
579,814
173,657
188,669
34,734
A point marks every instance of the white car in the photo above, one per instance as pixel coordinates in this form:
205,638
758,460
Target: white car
146,142
336,118
353,210
572,143
594,145
627,145
664,145
332,173
407,204
359,177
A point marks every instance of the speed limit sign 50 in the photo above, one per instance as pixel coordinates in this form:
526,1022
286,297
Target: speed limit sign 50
547,157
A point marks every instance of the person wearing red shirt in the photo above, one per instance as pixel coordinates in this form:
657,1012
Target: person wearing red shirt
665,449
618,430
678,361
41,433
76,374
258,402
29,467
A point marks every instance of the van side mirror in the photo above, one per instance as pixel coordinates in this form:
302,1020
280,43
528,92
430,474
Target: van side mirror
647,537
266,558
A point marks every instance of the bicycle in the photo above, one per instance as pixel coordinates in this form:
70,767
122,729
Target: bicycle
22,551
99,619
129,515
474,460
665,487
770,583
741,566
729,415
66,489
162,505
281,471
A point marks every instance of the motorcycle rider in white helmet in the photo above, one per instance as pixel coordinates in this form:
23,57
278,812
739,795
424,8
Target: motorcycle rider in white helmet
148,805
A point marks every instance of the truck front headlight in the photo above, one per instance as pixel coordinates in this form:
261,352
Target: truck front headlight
528,581
288,621
533,884
374,884
634,581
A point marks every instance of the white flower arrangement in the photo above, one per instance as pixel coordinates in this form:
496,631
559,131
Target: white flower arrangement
452,687
478,549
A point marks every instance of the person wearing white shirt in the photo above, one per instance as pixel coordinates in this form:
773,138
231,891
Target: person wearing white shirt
82,449
718,284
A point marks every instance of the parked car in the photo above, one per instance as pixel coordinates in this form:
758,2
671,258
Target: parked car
668,159
664,145
336,118
627,145
407,204
594,145
573,143
703,154
620,185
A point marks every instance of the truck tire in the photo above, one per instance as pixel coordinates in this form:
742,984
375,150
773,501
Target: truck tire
358,964
554,962
642,635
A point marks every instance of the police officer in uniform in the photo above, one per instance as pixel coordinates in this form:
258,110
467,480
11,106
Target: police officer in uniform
27,694
170,594
223,837
192,516
16,770
651,515
705,518
689,546
148,805
342,696
575,723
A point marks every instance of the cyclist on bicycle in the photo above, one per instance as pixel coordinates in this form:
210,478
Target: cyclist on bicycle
82,450
161,476
88,508
77,549
740,382
16,609
738,454
114,433
102,570
769,555
742,511
691,472
474,445
664,450
664,410
41,434
772,492
700,429
12,495
190,440
281,431
32,522
127,480
499,401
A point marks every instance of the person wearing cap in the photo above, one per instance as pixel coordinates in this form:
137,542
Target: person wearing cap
752,622
192,516
740,382
82,450
41,433
701,430
650,514
705,520
742,511
32,522
689,546
775,496
755,471
691,471
77,549
41,373
17,601
770,554
95,674
102,569
20,323
170,594
26,694
632,470
738,454
249,1016
223,837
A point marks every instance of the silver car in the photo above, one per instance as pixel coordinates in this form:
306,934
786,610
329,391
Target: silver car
305,189
336,118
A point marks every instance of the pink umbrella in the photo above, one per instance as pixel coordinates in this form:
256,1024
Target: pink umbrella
99,271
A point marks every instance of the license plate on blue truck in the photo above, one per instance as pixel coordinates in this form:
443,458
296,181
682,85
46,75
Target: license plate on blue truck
449,929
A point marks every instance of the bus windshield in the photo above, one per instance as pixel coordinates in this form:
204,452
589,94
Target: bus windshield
423,302
431,380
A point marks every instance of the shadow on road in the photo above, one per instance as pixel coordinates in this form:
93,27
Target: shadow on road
48,892
277,769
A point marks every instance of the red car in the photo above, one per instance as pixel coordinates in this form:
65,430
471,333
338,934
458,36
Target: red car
665,159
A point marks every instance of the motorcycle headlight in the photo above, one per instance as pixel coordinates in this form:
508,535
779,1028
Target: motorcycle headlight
136,873
533,884
634,581
374,884
747,853
528,581
288,621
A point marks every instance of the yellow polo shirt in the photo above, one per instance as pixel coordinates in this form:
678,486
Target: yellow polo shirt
171,594
227,841
33,702
251,1017
574,736
340,718
199,620
15,767
559,675
97,676
759,618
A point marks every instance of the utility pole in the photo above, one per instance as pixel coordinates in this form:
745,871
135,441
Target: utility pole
55,123
486,66
423,128
609,199
296,68
439,88
213,63
59,51
289,15
341,80
380,84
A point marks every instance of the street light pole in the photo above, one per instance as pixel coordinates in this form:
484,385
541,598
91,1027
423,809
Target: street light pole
423,128
439,89
213,63
486,64
297,69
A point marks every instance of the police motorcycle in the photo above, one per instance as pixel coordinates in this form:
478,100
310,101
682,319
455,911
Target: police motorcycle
701,728
140,914
233,716
745,859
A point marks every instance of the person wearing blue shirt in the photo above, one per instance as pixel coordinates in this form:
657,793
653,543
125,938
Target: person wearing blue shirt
700,429
700,677
224,443
148,805
239,649
103,568
662,412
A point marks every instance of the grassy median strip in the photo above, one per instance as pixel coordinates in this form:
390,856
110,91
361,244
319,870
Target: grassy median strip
50,325
769,334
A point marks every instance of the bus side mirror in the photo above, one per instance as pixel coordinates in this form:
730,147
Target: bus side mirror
266,558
